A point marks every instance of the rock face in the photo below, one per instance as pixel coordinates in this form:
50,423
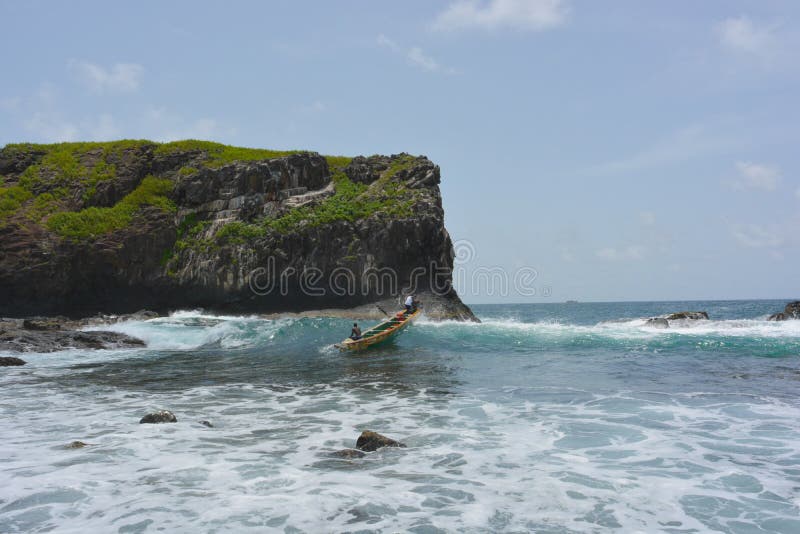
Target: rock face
116,227
370,441
161,416
691,315
49,335
791,311
8,361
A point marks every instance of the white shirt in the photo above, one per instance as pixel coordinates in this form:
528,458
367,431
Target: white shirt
409,301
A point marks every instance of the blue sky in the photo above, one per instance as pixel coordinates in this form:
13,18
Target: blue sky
624,150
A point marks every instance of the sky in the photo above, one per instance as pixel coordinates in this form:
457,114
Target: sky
604,151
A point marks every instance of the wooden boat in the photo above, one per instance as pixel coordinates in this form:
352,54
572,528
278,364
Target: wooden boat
380,332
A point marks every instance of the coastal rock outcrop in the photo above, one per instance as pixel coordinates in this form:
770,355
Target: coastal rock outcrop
112,228
50,335
690,315
161,416
370,441
791,311
9,361
657,322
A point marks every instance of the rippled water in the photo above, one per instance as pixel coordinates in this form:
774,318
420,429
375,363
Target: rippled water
547,418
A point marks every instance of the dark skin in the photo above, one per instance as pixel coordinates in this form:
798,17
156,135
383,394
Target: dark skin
355,333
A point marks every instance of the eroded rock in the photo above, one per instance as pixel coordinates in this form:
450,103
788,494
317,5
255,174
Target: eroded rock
370,441
691,315
161,416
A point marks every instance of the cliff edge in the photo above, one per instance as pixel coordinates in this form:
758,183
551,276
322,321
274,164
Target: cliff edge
120,226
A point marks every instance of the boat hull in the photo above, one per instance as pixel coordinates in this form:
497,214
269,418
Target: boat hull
379,333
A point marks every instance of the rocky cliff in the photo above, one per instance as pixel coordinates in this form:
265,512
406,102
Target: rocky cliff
116,227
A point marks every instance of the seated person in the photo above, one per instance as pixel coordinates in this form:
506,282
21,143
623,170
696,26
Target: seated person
355,333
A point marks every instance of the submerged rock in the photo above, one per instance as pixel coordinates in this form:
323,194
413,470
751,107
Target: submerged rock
7,361
780,316
370,441
161,416
692,315
657,322
206,423
77,445
348,454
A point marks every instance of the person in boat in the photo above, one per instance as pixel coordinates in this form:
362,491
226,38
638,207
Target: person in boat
411,304
355,333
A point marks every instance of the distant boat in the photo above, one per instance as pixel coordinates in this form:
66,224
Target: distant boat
380,332
571,302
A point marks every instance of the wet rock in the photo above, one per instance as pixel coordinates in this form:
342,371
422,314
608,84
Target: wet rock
7,361
348,454
44,335
791,311
370,441
657,322
692,315
161,416
77,445
43,323
207,423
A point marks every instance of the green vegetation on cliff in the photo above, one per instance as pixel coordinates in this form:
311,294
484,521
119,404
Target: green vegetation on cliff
93,222
219,154
350,202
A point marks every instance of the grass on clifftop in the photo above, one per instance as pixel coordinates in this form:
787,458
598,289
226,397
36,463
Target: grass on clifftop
93,222
219,154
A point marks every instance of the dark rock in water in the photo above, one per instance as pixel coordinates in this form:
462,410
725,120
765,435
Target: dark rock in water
207,423
348,454
657,322
46,337
161,416
77,445
693,315
7,361
370,441
791,311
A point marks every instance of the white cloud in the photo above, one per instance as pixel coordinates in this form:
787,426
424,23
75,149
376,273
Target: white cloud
757,236
418,58
631,252
388,43
414,55
103,128
676,147
756,176
50,127
124,77
535,15
740,34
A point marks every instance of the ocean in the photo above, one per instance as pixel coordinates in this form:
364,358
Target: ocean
543,418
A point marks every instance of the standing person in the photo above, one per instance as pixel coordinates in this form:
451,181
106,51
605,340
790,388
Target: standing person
355,333
410,304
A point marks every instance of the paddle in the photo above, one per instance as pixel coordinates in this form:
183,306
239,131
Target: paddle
383,311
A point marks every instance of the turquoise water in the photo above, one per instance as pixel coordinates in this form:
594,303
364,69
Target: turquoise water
546,418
